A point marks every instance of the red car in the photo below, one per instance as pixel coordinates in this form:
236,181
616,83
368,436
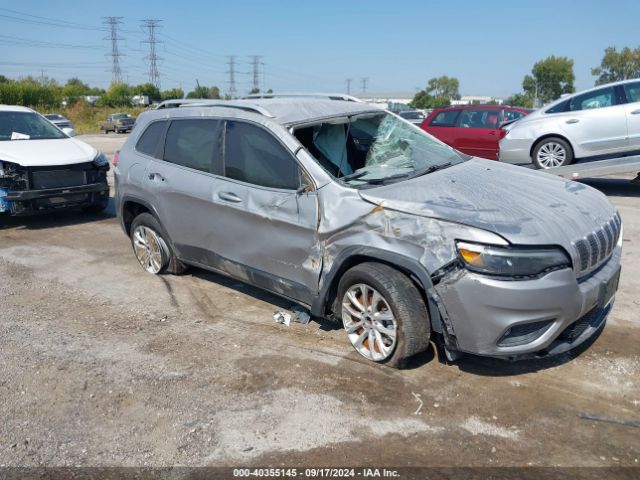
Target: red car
472,129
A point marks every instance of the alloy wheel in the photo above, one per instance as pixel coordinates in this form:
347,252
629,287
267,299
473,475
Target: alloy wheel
150,249
552,154
369,322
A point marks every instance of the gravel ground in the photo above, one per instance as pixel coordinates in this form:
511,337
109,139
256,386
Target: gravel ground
103,364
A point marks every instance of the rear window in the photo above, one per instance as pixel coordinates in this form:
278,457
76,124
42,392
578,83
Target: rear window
149,140
511,115
448,118
601,98
561,107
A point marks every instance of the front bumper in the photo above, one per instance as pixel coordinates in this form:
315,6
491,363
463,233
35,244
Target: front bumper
25,202
482,312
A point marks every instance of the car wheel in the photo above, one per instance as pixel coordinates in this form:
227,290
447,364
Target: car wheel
383,314
552,152
151,248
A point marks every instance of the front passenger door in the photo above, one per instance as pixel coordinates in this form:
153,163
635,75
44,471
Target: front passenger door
632,108
265,226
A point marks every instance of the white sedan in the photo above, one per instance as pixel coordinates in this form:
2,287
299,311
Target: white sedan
601,121
42,168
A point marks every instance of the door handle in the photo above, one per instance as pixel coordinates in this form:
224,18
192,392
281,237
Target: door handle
573,120
492,132
635,112
156,176
229,197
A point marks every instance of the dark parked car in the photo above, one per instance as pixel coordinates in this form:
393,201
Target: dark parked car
118,123
473,129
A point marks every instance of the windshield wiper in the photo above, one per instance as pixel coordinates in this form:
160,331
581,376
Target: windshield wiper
354,175
431,169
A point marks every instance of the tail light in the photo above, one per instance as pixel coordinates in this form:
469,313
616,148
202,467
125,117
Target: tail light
502,133
116,157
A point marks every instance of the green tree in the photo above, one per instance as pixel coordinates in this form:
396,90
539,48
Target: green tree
74,90
444,87
549,79
148,90
438,93
204,92
616,66
172,94
254,91
519,100
118,95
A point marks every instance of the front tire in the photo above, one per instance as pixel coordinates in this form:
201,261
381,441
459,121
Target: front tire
383,314
151,248
552,152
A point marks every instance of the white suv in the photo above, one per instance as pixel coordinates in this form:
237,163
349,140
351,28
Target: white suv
601,121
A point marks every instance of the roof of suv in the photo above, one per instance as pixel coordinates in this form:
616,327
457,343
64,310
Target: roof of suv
483,107
14,108
285,111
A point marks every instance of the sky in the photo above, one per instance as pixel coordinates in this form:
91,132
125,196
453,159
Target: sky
315,46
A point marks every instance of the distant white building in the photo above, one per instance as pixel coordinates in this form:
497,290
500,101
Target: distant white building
390,100
476,100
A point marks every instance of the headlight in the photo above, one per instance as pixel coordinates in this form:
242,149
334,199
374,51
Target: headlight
101,161
511,262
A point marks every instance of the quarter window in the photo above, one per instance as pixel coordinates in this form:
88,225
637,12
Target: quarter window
601,98
632,91
193,144
447,118
149,140
254,156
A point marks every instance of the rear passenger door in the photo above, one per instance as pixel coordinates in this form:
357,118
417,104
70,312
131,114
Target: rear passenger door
265,227
181,181
596,123
478,133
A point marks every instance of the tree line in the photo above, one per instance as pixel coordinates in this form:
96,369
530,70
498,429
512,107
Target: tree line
549,79
46,92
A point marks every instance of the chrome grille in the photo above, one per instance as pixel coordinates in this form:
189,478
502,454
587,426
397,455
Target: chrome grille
596,247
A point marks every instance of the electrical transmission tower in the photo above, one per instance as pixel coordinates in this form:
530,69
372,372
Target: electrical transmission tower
152,25
113,22
255,63
348,80
232,75
363,82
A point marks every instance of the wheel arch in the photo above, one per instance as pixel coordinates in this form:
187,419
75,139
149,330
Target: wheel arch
323,305
131,208
551,135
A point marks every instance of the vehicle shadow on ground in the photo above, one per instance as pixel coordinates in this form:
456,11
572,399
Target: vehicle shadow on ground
61,218
614,187
277,302
495,367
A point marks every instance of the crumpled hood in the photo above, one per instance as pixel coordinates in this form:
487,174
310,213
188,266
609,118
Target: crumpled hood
524,206
40,153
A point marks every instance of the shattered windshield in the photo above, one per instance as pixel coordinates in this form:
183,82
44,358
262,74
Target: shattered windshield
27,126
375,148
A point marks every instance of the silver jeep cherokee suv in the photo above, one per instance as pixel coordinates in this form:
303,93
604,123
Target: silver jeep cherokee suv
361,216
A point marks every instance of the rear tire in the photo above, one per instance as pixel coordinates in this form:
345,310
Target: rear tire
379,305
151,248
552,152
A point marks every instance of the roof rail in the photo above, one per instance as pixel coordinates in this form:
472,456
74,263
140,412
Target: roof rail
329,96
229,104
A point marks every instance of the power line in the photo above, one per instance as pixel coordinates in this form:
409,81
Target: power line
116,72
152,25
255,62
232,75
